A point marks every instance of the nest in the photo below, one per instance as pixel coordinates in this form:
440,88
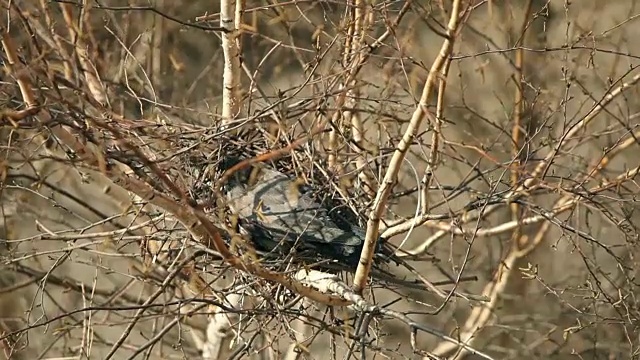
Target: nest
205,164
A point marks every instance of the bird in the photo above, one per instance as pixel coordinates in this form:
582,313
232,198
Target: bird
280,215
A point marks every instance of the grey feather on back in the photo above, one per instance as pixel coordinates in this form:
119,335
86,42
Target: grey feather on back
279,217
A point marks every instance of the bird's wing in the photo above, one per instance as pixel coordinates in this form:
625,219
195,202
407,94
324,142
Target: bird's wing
276,206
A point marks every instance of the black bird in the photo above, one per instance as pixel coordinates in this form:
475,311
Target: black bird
280,216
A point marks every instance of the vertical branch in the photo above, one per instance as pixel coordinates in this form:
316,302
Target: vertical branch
352,116
239,11
352,46
231,21
391,176
357,131
156,48
359,60
338,116
20,74
332,158
518,109
435,143
64,54
88,69
229,9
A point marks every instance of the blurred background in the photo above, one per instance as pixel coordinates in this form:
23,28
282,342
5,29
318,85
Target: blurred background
531,186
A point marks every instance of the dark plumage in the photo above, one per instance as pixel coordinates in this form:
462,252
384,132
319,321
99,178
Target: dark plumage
279,216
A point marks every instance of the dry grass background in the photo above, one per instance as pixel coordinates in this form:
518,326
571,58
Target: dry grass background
572,293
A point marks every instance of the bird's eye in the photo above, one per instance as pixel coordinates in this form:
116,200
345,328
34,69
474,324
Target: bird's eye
304,189
301,186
